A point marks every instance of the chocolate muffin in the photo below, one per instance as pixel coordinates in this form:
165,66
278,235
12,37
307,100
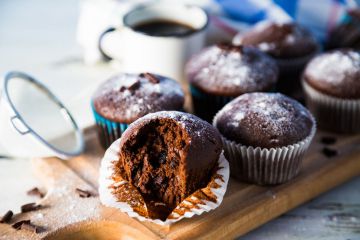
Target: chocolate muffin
335,73
279,40
222,72
126,97
347,33
167,156
332,90
290,44
265,136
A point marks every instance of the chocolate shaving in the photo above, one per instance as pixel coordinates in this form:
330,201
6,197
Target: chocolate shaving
134,86
151,77
328,152
230,47
328,140
35,192
27,225
30,207
83,193
122,88
7,217
17,225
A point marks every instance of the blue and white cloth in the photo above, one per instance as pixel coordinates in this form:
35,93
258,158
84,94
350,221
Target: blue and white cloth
320,16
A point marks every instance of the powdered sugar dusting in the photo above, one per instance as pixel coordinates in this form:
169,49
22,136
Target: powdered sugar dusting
122,80
266,46
199,130
265,114
119,99
234,72
274,113
334,67
284,40
237,118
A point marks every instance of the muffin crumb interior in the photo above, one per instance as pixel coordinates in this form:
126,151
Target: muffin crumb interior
153,165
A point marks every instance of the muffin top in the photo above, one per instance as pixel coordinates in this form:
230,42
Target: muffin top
229,70
280,40
266,120
335,73
347,33
202,140
127,97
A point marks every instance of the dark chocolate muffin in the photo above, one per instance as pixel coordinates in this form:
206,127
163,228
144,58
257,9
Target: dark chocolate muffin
167,156
127,97
279,40
265,137
266,120
222,72
335,73
331,84
291,45
347,33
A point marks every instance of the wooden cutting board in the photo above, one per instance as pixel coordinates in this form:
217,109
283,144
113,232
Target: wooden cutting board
245,206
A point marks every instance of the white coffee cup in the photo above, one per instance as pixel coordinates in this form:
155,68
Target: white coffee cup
140,52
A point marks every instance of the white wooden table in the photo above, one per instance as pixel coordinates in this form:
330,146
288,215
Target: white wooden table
38,37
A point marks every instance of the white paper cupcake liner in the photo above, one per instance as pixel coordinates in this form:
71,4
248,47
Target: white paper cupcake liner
192,205
266,166
333,114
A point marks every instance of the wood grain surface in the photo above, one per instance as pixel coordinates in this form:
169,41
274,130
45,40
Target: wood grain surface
67,216
52,55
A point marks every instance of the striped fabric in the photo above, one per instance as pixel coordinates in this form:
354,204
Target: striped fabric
317,15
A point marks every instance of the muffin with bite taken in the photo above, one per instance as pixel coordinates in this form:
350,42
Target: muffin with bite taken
126,97
331,82
265,136
222,72
161,159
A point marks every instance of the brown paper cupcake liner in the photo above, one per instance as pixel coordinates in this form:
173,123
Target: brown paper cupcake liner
266,166
118,193
333,114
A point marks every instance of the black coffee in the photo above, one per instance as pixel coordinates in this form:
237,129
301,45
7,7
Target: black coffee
164,28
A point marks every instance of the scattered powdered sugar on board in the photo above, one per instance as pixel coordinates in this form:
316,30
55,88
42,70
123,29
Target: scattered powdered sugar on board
61,204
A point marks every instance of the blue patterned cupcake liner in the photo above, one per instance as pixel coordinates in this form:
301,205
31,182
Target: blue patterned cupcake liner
207,105
108,131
